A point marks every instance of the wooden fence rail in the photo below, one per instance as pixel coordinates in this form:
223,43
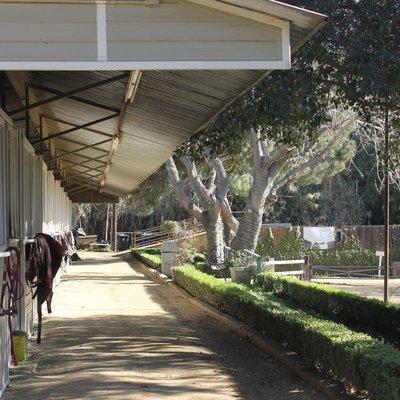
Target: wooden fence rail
154,236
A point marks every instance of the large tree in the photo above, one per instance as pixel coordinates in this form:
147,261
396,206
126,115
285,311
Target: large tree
276,165
203,199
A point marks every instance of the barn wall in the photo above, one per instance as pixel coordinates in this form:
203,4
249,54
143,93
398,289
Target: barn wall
4,337
186,31
31,201
61,32
171,31
57,208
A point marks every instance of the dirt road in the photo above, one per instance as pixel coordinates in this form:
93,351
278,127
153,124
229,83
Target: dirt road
116,335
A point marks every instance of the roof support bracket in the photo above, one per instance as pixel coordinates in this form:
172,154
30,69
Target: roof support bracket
63,95
74,129
77,150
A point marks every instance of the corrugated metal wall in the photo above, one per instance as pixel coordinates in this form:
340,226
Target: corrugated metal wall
4,338
31,201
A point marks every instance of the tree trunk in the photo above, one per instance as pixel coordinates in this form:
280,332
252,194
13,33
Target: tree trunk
228,234
249,230
250,223
215,239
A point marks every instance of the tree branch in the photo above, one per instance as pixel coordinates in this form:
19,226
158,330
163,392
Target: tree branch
228,218
223,184
201,191
255,141
180,190
313,160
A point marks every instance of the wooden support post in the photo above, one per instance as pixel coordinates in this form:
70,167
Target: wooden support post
387,212
106,230
308,269
3,104
27,135
114,227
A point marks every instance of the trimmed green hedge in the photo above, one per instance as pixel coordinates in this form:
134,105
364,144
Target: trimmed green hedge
348,308
151,257
366,363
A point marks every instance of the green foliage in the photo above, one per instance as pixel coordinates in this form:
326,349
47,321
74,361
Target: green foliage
171,227
292,244
361,361
237,259
200,263
338,257
359,311
151,257
266,246
103,249
349,253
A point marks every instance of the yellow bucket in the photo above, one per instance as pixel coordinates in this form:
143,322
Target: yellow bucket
20,340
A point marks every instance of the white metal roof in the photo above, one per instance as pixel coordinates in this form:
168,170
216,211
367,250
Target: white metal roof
172,99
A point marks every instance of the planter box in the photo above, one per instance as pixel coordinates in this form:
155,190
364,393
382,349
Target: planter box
241,274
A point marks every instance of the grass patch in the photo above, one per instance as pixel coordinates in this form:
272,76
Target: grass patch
363,362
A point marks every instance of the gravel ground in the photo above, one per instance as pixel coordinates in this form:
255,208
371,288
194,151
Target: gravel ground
116,335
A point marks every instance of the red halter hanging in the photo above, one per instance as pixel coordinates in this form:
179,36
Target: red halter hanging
11,286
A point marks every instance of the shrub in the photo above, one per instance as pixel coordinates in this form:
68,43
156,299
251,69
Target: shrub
151,257
156,252
361,361
238,259
171,227
266,245
103,249
292,245
349,253
199,261
348,308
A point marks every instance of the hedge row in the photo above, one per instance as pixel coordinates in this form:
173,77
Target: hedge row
151,257
361,361
348,308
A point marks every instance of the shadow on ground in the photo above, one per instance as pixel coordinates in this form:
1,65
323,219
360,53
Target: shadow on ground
170,350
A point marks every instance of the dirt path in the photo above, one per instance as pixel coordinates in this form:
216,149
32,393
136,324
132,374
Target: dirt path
116,335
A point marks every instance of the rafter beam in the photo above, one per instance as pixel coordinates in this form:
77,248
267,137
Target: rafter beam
74,129
77,150
63,121
78,189
82,173
70,94
83,144
86,173
87,169
87,159
72,182
75,98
